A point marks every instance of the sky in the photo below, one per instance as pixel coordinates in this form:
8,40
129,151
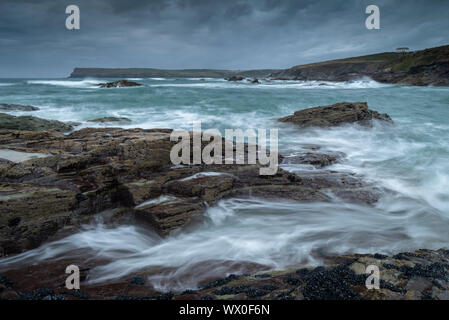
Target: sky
227,34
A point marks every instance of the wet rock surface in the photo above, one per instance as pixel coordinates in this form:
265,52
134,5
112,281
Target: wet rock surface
317,159
129,174
418,275
119,84
335,115
92,170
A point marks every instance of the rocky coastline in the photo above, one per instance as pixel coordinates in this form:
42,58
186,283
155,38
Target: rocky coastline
86,172
418,68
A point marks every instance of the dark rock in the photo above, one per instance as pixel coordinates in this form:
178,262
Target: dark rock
119,84
333,284
335,115
253,292
16,107
263,276
292,281
268,287
220,282
165,296
187,292
76,293
6,281
137,281
235,78
110,119
54,297
231,290
30,123
318,160
38,294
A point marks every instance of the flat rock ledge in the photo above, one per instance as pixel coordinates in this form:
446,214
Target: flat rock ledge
336,115
93,170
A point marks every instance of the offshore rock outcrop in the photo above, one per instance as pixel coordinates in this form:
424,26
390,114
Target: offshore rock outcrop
31,123
235,78
335,115
119,84
92,170
17,107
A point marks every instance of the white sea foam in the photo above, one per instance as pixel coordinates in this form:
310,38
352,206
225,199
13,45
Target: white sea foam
86,83
360,84
411,158
205,174
158,200
274,234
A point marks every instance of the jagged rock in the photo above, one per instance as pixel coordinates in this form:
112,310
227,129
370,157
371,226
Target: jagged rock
335,115
31,123
110,119
119,84
16,107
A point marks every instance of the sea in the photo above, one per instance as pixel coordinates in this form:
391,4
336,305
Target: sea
411,158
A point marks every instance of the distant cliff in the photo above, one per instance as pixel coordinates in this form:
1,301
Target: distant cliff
425,67
161,73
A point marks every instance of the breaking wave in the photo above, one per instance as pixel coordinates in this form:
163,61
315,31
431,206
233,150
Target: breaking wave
87,83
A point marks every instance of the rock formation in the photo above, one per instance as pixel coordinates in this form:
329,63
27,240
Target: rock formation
32,123
235,78
335,115
16,107
119,84
92,170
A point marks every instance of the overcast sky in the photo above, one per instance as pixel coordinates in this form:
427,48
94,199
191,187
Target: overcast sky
227,34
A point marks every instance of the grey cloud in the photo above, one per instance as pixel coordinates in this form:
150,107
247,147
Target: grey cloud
237,34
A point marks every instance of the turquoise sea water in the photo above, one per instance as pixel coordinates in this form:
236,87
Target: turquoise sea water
411,158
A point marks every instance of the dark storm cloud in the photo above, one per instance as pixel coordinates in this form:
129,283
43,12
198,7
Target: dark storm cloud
237,34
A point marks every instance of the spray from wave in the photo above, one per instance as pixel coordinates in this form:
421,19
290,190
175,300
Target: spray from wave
267,234
87,83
